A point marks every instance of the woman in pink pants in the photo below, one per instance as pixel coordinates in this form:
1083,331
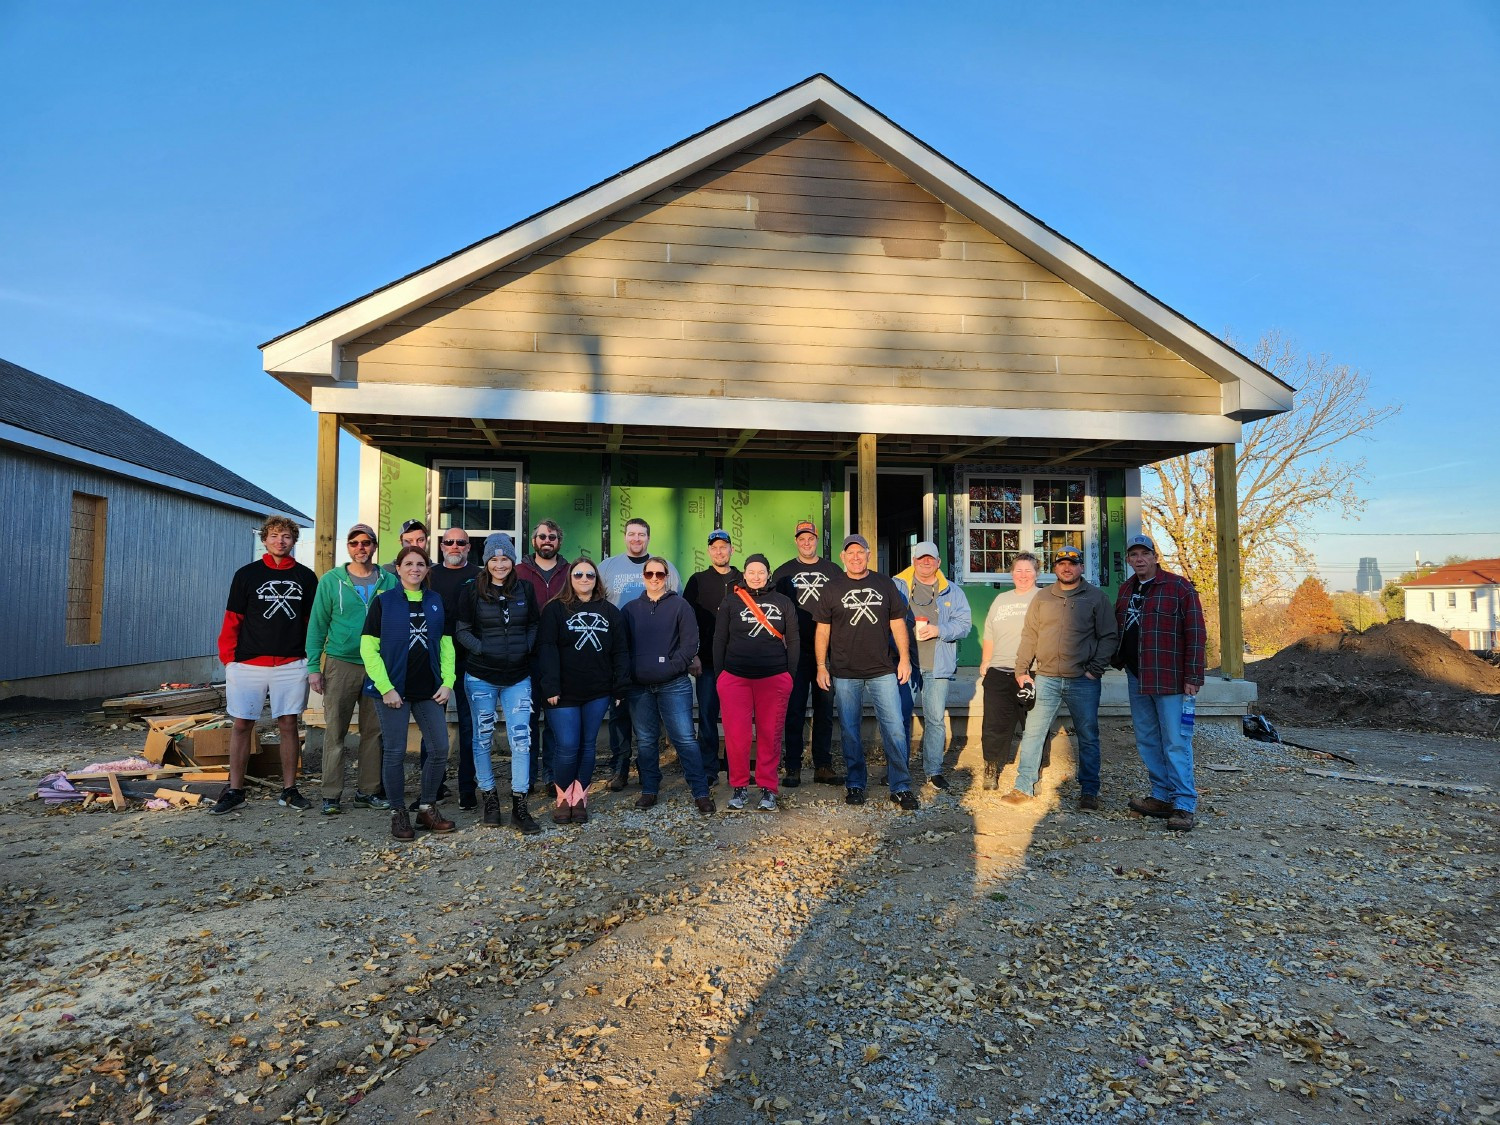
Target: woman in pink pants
755,648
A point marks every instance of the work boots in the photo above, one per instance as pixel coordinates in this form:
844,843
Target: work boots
520,816
490,802
433,820
401,827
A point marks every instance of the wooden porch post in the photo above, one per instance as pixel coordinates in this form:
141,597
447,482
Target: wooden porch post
1227,533
866,464
326,515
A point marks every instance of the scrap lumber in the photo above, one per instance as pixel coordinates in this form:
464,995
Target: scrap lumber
1409,782
169,701
177,798
150,775
114,792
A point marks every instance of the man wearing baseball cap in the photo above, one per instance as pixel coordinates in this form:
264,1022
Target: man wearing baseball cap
1070,636
1162,647
856,623
337,673
943,619
705,592
804,580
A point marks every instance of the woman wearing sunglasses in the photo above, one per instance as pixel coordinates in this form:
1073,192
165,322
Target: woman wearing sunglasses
408,653
497,623
755,649
582,662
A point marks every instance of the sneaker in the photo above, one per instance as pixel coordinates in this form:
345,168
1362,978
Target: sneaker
469,803
907,800
737,799
370,801
767,801
854,796
291,799
331,808
229,801
1150,806
938,781
618,780
791,779
706,805
1182,821
1089,802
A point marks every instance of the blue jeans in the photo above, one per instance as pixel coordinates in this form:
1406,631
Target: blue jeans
515,702
934,696
885,694
669,705
1166,754
1081,694
575,733
708,721
432,722
465,748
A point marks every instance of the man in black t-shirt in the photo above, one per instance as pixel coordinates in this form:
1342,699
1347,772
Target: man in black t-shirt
857,620
456,571
804,580
705,592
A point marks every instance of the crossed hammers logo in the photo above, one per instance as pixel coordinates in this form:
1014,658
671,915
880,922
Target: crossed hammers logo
863,603
279,594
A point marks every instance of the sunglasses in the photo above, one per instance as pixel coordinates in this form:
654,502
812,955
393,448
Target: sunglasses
455,542
545,538
589,574
654,573
361,543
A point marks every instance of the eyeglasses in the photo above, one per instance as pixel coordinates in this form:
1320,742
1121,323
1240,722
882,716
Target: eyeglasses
654,573
547,537
589,574
455,542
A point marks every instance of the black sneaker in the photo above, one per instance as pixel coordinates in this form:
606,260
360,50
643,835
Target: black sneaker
291,799
229,801
938,781
854,796
907,800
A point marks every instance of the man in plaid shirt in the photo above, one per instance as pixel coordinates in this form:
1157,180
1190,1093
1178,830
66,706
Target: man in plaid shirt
1161,650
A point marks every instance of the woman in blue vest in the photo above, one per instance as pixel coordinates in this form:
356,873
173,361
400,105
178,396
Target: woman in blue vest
408,653
497,622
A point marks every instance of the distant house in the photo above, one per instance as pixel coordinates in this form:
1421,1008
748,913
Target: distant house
1462,599
124,541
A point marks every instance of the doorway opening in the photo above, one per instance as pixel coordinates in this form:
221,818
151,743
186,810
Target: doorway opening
903,514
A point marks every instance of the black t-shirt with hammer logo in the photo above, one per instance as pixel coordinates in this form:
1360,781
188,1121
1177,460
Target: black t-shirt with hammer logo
805,584
859,613
274,606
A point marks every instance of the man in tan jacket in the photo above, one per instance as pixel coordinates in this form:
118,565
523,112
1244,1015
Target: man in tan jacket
1070,636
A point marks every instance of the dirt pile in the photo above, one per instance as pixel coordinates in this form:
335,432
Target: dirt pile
1402,675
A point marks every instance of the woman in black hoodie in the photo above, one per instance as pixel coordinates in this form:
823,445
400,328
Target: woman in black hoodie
582,662
497,623
755,648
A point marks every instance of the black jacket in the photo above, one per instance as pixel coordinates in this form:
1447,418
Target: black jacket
498,632
582,653
743,647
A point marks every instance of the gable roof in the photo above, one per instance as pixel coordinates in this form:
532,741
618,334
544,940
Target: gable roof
43,415
1475,572
311,352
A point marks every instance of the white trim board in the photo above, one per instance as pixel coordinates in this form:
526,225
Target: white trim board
422,401
62,451
312,350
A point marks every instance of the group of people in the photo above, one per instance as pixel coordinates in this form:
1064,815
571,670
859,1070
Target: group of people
550,648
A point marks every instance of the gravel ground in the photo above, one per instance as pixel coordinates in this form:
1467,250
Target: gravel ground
1317,948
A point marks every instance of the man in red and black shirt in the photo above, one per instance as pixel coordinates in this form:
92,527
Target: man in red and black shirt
263,644
1162,652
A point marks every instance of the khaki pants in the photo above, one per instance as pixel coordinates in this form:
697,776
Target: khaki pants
343,687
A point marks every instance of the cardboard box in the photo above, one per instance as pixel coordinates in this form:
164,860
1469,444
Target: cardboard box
209,747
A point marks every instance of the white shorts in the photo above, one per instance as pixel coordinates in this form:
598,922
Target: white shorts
247,685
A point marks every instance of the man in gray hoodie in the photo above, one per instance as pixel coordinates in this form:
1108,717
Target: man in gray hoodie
1070,635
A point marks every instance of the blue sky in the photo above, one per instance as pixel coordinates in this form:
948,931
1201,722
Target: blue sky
180,182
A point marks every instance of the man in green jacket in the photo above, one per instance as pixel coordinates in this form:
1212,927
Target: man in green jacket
1070,635
338,618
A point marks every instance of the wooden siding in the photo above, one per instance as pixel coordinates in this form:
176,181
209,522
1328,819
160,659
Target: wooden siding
165,569
85,606
803,268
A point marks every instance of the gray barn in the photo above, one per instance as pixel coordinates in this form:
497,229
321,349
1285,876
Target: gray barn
126,540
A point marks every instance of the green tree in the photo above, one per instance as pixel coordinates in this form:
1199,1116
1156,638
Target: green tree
1393,598
1358,611
1311,611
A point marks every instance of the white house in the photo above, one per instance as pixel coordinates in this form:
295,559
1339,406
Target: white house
1462,599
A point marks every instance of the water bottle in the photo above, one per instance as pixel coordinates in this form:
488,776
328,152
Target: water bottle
1189,715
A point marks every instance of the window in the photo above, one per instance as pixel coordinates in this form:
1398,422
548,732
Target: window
1473,601
480,497
1007,513
1452,599
1432,601
85,602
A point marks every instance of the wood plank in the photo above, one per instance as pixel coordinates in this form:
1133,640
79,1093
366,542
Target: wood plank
784,182
797,165
665,377
765,202
595,332
115,795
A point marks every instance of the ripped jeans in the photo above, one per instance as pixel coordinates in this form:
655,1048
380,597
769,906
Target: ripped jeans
514,701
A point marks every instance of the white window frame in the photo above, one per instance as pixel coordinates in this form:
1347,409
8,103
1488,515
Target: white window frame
477,534
1452,599
1088,529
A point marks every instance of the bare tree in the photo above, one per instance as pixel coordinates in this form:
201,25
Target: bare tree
1291,466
